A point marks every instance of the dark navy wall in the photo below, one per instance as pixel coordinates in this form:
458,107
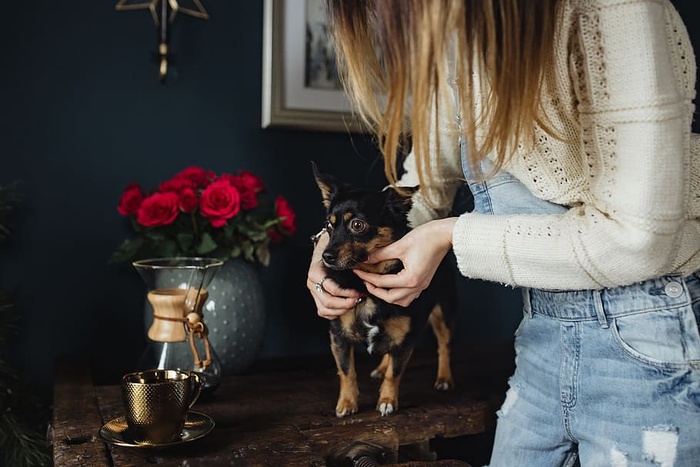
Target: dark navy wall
82,114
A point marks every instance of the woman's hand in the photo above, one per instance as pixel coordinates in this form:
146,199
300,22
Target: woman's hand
421,251
331,300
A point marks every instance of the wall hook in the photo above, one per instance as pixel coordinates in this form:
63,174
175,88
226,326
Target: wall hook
163,13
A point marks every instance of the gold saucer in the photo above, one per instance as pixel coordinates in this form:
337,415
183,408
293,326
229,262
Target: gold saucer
116,431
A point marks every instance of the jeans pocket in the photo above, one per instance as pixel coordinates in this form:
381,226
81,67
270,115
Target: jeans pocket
665,339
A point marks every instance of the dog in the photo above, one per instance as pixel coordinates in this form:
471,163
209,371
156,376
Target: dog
358,222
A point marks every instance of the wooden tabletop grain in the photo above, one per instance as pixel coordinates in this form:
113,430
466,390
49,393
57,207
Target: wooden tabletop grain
282,414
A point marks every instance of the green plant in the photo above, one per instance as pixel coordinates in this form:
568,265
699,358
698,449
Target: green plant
22,415
8,199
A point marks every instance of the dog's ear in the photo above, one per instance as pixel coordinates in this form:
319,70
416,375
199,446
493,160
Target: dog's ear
401,199
402,195
326,183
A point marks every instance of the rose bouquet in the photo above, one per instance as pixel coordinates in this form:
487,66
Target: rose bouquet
200,213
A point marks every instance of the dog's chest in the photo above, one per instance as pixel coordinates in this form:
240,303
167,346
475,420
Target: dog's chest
367,325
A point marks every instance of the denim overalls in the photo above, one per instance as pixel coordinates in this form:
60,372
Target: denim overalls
603,377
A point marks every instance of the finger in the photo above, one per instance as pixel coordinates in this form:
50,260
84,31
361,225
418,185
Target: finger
328,305
328,287
334,307
406,301
398,296
332,288
385,281
384,253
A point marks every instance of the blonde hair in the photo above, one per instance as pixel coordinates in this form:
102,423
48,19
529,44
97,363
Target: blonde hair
392,59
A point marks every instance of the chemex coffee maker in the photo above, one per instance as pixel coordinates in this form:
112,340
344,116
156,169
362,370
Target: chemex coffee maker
178,338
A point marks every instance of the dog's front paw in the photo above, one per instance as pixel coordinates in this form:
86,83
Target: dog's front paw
387,407
345,408
444,384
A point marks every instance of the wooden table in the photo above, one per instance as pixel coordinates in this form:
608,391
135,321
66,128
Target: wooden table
282,414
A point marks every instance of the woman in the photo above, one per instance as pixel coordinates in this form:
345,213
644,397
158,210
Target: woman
571,122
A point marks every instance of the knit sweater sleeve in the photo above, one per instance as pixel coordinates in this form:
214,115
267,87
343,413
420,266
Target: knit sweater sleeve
634,114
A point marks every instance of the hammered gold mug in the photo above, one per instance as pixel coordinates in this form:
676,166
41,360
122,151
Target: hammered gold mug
156,403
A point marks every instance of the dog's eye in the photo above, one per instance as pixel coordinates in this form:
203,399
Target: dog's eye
358,226
328,226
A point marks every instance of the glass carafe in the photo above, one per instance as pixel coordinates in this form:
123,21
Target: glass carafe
178,338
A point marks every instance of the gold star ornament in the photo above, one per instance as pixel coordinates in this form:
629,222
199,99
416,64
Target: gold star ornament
163,13
196,9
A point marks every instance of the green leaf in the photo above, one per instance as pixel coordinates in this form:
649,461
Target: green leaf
229,229
248,251
235,252
207,245
258,236
262,252
166,249
250,229
185,241
271,223
9,198
155,235
127,251
23,446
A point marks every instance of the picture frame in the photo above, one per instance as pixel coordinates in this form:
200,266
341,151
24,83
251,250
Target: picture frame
289,98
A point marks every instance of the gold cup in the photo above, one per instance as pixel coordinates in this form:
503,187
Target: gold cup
156,403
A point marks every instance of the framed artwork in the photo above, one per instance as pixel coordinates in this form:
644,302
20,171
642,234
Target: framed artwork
300,82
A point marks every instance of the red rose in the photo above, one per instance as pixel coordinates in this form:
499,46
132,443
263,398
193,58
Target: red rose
185,190
251,181
198,176
220,201
275,236
286,215
176,185
248,185
187,200
158,209
130,200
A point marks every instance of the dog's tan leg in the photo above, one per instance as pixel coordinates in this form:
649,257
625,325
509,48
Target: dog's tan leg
343,353
380,371
396,328
389,390
443,334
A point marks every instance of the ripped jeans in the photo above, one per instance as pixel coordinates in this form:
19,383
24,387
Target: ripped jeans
603,377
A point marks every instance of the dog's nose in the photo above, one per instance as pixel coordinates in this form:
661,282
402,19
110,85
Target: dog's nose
329,257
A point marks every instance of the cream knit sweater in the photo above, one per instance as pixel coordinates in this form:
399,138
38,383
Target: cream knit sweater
628,167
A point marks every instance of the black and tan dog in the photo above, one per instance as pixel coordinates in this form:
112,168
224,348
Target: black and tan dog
360,221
